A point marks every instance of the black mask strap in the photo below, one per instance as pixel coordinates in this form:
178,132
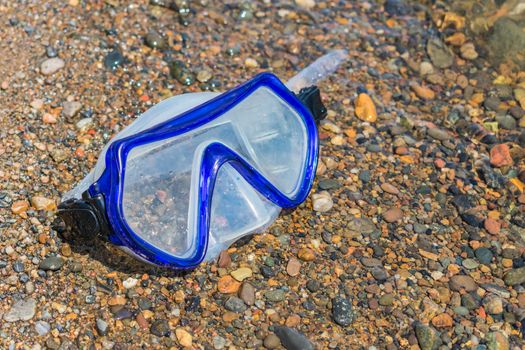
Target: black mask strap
85,218
311,98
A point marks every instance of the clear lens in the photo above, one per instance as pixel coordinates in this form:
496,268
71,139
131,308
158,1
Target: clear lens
161,179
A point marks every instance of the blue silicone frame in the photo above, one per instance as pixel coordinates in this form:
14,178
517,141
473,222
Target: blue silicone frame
111,182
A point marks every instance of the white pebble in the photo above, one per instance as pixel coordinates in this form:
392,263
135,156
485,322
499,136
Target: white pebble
322,201
51,66
130,283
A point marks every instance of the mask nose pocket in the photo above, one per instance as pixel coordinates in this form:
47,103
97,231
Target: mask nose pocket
237,209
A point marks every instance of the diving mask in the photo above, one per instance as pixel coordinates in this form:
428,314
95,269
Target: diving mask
198,171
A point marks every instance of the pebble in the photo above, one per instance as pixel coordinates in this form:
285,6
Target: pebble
322,201
426,336
42,328
342,311
51,66
271,341
235,304
42,203
515,276
497,341
71,109
306,254
293,268
506,122
250,63
52,263
306,4
19,207
459,282
468,51
102,327
423,92
484,255
393,215
22,310
440,55
247,293
155,40
130,282
492,226
292,339
113,60
438,134
160,328
365,108
227,284
218,342
500,156
442,321
185,339
275,295
242,273
493,304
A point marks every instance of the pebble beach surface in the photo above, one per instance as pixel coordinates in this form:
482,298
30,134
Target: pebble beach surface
413,236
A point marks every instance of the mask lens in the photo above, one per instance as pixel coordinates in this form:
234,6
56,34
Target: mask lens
161,180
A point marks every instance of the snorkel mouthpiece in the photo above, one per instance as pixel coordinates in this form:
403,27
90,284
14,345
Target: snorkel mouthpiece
199,171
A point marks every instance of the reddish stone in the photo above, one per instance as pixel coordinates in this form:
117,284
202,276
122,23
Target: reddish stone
500,156
439,163
492,226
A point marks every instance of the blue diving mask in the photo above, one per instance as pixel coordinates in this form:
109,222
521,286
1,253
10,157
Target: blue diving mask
198,171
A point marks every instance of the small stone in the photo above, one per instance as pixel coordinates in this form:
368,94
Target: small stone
426,336
218,342
291,339
492,226
396,7
113,60
459,282
438,134
468,51
388,188
102,327
342,311
155,40
426,68
51,66
224,259
500,156
497,341
506,122
515,276
275,295
440,55
271,341
484,255
160,328
322,201
18,266
470,264
493,304
185,339
204,76
19,207
71,108
22,310
442,321
42,328
393,215
43,203
130,282
250,63
293,267
386,300
181,73
242,273
235,304
423,92
52,263
306,4
65,250
247,293
48,118
365,108
306,254
37,103
227,284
